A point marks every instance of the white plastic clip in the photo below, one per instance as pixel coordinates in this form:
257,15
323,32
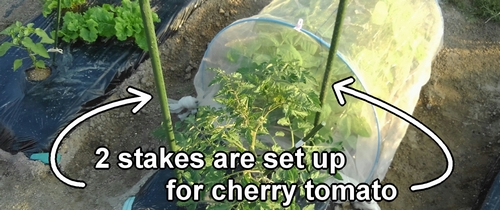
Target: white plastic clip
299,144
57,50
299,25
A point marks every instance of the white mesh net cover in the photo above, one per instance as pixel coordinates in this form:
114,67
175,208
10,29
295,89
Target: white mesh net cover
387,46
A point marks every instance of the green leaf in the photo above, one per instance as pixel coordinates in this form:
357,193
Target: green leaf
73,26
233,138
300,113
288,36
293,175
233,55
120,28
345,126
261,58
108,7
314,99
260,145
361,127
5,47
141,41
279,133
104,17
40,64
92,25
338,176
309,47
268,40
17,64
309,60
41,50
156,19
72,21
37,48
53,33
42,34
252,48
289,53
159,132
276,148
8,30
48,6
66,3
29,27
107,29
89,33
318,176
284,121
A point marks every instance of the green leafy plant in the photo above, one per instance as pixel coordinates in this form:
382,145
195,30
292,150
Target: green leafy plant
71,26
262,105
96,21
129,23
385,44
21,38
265,107
106,21
488,8
293,46
484,9
50,5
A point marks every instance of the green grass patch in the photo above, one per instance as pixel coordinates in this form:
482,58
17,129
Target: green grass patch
484,9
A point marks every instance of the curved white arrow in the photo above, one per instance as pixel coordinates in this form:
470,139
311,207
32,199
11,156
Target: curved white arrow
340,88
142,98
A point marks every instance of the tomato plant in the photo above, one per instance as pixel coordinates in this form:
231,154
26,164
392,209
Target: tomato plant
272,41
262,105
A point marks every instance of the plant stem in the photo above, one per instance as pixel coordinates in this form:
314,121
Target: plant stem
32,57
253,133
331,56
310,134
57,30
158,74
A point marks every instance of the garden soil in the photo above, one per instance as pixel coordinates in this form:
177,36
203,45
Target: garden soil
460,103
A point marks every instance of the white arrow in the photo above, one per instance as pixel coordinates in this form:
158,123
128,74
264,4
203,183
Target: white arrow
340,88
142,98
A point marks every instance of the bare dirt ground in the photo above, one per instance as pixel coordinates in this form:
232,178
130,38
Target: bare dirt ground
460,103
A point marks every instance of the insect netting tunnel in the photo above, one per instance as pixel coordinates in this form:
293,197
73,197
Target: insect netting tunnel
387,46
